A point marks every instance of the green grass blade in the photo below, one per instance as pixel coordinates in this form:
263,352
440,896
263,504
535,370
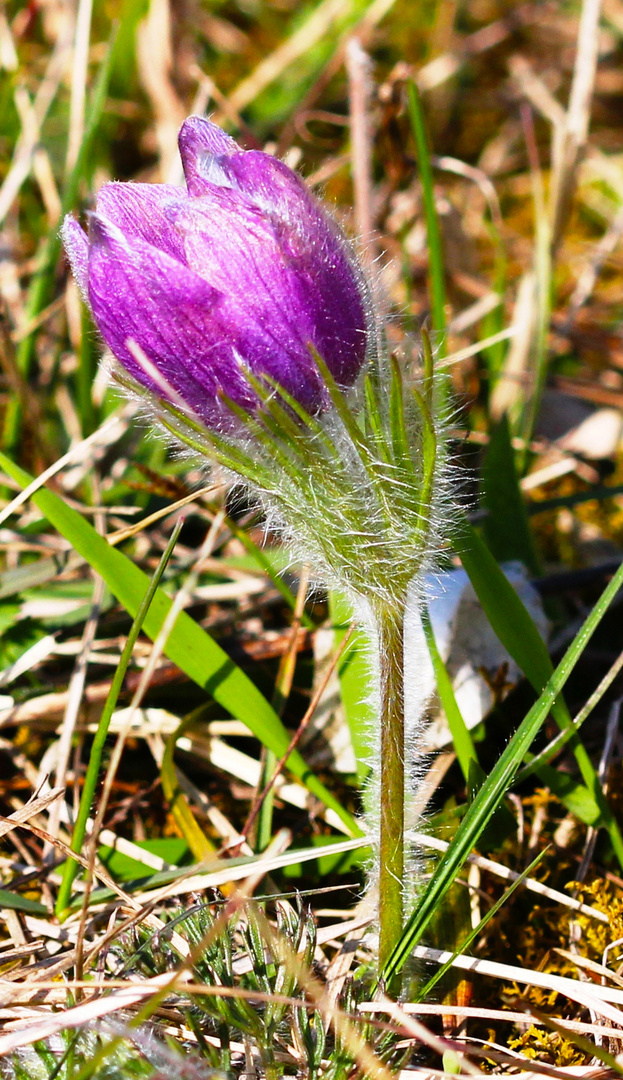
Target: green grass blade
517,632
463,742
495,787
505,611
15,902
190,647
95,757
425,992
555,746
574,796
506,527
566,502
354,675
544,272
433,233
495,321
179,806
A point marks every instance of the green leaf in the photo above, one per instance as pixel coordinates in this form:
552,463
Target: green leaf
573,795
504,609
516,630
9,615
15,640
354,675
506,527
190,647
463,742
16,902
172,849
87,796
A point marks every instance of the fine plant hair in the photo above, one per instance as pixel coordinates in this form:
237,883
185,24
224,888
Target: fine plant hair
363,492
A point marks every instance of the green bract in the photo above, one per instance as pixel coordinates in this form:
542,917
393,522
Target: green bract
355,490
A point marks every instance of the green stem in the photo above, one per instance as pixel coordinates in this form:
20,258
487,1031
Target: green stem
392,786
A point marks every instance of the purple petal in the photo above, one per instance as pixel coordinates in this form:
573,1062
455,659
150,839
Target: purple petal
200,140
339,313
235,248
243,270
140,212
76,246
291,299
329,287
137,292
271,186
228,241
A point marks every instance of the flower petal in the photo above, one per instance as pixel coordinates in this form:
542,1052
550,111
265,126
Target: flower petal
77,248
234,247
294,293
337,302
139,211
137,292
243,270
271,186
200,140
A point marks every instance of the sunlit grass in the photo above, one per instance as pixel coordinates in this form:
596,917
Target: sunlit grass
495,194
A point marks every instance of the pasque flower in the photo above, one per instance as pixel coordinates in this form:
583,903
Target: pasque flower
213,295
241,271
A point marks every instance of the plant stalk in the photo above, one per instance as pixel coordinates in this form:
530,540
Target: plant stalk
390,634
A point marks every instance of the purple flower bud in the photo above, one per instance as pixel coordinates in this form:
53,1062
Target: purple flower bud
243,269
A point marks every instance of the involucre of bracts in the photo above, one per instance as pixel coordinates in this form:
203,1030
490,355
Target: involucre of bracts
359,492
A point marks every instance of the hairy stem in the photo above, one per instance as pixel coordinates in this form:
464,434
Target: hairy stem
392,787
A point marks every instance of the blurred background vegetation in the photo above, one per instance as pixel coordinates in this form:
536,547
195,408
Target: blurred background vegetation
522,291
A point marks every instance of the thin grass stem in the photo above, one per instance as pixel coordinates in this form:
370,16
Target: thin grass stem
92,775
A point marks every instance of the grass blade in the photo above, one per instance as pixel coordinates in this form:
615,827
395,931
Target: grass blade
200,845
425,992
463,742
433,233
354,674
517,632
505,611
506,527
97,749
190,647
43,281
